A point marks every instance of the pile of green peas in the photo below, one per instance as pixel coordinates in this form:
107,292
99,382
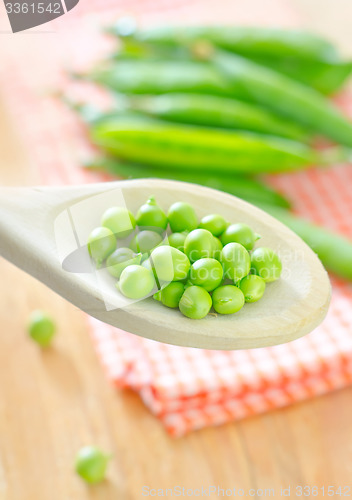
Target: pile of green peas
190,264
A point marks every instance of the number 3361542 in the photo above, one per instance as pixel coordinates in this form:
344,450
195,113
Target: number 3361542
33,8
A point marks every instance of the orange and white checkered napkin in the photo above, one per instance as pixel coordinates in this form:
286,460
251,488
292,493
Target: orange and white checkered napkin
186,388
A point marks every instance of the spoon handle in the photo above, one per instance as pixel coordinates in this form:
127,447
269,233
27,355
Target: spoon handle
27,236
22,238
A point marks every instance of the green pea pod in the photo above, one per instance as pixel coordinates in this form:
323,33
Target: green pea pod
236,77
158,143
160,76
334,250
283,95
217,111
243,187
245,40
325,76
196,109
303,56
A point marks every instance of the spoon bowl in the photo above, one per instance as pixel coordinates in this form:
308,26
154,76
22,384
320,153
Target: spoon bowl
41,226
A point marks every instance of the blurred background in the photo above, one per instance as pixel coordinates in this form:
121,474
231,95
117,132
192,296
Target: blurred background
275,418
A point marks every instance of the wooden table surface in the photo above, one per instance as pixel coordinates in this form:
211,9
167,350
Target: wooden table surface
53,402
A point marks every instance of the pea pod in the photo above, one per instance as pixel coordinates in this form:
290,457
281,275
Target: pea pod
246,40
325,76
160,76
243,187
303,56
196,109
284,96
158,143
217,111
233,76
334,250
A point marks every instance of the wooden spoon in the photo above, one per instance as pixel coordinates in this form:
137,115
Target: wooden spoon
40,226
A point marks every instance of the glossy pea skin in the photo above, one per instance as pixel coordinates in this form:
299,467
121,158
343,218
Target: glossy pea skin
235,261
177,240
169,264
145,241
120,259
217,248
195,303
199,244
136,282
206,273
170,296
214,223
41,328
228,299
182,217
91,464
239,233
119,220
253,287
101,243
266,264
151,215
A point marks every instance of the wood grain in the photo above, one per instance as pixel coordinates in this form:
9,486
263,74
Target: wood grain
52,403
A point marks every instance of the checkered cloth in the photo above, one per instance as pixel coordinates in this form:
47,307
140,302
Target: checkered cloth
185,388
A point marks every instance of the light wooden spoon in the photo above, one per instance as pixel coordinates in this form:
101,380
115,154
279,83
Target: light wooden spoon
39,226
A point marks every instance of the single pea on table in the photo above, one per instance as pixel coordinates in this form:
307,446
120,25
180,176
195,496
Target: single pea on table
186,263
91,464
41,328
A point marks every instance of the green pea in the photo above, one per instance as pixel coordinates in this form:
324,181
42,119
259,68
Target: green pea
253,287
182,217
91,464
195,303
214,223
169,264
136,282
171,295
266,264
120,259
177,240
199,244
228,299
207,273
41,328
119,220
239,233
145,241
217,248
151,215
101,243
235,261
